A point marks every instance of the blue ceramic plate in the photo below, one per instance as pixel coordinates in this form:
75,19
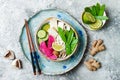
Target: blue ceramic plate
49,67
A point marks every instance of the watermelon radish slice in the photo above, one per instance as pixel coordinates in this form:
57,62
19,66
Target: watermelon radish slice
45,50
48,52
43,45
53,57
50,41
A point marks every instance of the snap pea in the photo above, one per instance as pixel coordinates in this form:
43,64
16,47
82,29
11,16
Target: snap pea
70,36
66,33
73,44
62,34
68,48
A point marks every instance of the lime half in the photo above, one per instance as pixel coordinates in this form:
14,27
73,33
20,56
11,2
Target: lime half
57,47
88,18
97,25
46,27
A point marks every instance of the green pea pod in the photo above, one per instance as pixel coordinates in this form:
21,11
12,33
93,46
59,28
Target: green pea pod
74,41
62,34
66,33
73,44
70,36
68,48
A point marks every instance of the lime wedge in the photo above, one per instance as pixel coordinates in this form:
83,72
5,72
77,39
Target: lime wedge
43,39
39,40
57,47
88,18
97,25
46,26
41,34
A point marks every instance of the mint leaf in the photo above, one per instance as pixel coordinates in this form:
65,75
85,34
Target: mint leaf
87,9
102,9
102,17
97,8
94,10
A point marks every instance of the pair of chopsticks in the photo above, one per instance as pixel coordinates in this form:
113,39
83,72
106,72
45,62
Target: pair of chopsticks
32,51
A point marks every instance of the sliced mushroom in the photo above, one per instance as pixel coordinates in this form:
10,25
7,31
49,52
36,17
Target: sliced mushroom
17,63
10,55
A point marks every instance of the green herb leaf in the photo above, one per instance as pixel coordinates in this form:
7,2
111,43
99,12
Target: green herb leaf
70,36
62,34
102,17
97,8
94,10
102,9
87,9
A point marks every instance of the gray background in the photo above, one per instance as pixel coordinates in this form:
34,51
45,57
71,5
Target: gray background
12,15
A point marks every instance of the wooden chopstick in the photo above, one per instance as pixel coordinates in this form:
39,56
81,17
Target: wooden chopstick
32,50
28,36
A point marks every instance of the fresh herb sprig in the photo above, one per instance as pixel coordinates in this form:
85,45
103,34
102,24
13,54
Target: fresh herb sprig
97,11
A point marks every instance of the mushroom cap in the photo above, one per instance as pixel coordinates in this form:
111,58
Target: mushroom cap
9,55
17,63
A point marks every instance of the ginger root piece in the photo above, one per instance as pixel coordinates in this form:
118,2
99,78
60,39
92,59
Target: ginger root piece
92,64
97,46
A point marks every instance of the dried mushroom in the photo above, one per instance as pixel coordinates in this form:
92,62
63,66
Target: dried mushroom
17,63
10,55
62,54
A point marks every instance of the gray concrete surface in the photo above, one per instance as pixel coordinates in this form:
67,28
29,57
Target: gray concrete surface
12,15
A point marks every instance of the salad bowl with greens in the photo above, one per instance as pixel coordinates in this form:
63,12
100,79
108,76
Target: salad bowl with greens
94,17
56,40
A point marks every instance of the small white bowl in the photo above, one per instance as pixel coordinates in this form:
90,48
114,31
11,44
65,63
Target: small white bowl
87,26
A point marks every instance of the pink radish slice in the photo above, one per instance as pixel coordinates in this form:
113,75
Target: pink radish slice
53,57
50,41
48,51
45,50
43,45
